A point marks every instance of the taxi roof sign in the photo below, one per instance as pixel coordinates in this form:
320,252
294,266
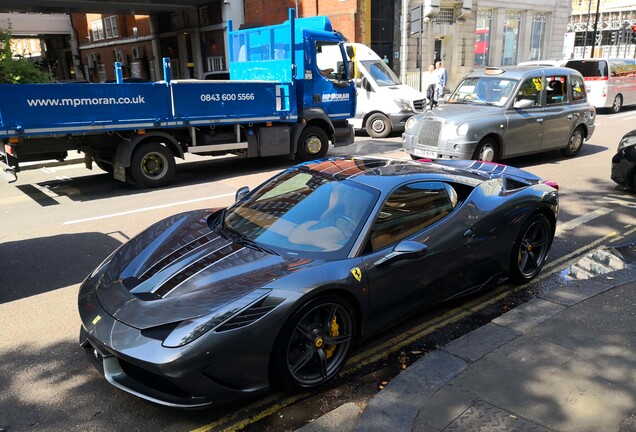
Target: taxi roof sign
493,71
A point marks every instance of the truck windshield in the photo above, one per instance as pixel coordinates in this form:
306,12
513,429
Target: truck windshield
483,91
381,73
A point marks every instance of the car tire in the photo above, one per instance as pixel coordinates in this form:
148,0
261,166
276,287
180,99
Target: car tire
575,143
302,357
487,150
312,144
535,235
617,105
378,126
152,165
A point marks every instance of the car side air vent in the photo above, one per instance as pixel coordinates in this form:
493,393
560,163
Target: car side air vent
252,314
513,183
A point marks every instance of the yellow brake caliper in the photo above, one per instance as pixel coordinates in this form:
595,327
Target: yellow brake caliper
333,332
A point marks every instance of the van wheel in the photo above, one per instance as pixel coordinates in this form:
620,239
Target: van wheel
486,151
152,165
378,125
574,144
617,105
313,144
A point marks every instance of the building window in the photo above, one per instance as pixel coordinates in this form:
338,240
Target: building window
111,27
536,38
101,71
203,16
511,37
215,63
445,16
97,30
482,37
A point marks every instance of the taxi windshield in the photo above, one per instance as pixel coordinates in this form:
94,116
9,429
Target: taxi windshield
483,91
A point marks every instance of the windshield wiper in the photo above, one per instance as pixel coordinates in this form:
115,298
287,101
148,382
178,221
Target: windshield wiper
243,240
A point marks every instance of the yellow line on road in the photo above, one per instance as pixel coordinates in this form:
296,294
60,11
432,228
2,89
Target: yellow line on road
383,350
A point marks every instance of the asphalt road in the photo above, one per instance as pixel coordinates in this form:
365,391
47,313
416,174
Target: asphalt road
60,222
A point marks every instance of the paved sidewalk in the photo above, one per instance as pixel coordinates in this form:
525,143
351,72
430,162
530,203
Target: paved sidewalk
565,362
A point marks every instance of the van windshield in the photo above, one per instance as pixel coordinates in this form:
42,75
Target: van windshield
381,72
589,68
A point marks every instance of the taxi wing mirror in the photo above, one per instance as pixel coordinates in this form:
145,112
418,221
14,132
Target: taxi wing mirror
523,104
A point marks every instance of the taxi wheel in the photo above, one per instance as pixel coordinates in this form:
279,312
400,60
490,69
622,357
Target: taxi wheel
314,344
574,144
486,150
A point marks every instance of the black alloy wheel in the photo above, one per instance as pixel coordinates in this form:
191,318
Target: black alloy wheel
530,250
314,345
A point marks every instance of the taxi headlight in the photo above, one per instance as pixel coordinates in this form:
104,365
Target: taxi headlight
410,123
462,129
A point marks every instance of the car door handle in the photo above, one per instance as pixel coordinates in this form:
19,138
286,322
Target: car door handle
469,233
539,120
570,116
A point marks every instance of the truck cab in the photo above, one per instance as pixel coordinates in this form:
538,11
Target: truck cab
384,104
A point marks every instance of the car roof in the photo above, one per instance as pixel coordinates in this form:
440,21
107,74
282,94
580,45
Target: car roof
387,173
519,72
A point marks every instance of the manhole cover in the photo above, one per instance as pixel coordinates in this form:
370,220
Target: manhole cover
483,417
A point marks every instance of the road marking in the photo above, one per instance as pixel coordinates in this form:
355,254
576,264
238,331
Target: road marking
145,209
379,352
581,220
622,200
622,114
630,118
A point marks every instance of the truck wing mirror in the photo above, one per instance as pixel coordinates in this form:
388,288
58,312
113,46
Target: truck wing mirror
241,193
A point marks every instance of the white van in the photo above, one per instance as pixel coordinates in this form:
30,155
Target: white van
384,104
610,83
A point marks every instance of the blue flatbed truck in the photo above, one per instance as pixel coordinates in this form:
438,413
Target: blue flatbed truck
286,96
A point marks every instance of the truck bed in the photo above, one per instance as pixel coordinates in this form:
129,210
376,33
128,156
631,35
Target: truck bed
49,109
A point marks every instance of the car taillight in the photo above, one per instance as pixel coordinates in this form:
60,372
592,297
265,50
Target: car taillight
552,184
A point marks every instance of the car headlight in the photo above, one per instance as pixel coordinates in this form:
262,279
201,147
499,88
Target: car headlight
191,329
403,104
462,129
410,124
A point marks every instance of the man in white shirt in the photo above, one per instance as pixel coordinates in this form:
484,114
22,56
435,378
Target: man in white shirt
440,74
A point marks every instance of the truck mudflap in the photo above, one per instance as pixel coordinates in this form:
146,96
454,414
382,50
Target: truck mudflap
343,134
10,172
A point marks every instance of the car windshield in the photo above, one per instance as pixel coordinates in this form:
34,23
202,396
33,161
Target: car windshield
381,73
483,91
303,211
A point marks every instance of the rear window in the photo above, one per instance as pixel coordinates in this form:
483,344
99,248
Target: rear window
589,69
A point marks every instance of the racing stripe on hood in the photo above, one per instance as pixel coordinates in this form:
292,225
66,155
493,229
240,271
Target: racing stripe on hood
196,267
176,254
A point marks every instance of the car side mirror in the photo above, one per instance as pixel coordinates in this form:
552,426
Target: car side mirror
405,249
523,104
241,193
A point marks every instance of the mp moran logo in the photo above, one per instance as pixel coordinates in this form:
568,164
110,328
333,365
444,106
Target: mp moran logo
335,97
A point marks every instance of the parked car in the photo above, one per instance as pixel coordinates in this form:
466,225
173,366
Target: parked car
499,113
610,83
214,305
624,161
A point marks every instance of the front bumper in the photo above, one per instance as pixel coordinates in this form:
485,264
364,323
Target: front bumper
465,149
215,369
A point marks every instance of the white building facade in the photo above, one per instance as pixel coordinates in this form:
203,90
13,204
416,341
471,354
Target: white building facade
475,34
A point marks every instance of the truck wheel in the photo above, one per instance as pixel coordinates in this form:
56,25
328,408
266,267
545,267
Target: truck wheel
378,125
152,165
313,144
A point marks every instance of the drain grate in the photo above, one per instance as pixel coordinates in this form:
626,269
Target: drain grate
601,261
483,417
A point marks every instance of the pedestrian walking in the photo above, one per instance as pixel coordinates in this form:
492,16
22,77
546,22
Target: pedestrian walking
430,82
440,74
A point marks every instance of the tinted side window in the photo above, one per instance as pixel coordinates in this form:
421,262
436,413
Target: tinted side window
410,209
531,89
589,68
578,88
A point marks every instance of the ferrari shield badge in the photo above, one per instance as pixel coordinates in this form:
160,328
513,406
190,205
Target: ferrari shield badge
357,273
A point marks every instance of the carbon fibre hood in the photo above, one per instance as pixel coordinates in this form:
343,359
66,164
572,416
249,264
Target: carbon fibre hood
179,269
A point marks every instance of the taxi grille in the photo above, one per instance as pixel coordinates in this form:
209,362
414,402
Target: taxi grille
429,132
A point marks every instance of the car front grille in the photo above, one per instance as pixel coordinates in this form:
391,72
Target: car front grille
419,105
430,130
